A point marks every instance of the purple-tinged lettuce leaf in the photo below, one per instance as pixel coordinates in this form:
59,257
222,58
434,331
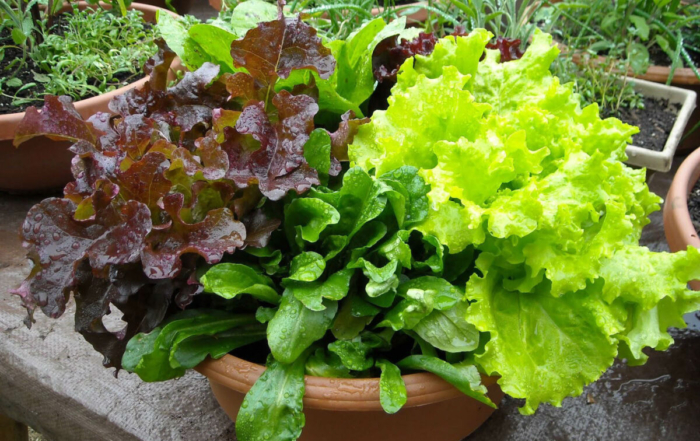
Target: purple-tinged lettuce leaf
275,48
217,234
279,164
176,177
341,138
57,243
393,52
144,180
57,120
508,47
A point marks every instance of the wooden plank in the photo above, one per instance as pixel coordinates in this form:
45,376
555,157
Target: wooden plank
11,430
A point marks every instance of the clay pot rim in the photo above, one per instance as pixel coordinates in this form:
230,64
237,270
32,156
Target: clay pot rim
657,74
10,121
416,16
341,394
676,214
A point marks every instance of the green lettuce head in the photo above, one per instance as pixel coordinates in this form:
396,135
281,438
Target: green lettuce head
518,170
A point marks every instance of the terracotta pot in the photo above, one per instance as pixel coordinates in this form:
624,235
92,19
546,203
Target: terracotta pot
181,6
420,15
659,74
678,227
42,165
692,140
349,409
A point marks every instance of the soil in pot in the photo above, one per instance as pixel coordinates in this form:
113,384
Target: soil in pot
17,98
181,6
655,122
25,75
657,57
694,205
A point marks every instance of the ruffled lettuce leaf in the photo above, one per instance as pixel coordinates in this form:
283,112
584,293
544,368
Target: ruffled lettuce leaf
198,43
353,81
545,348
176,175
519,172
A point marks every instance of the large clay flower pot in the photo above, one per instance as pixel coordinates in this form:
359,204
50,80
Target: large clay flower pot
181,6
40,164
349,409
420,15
678,226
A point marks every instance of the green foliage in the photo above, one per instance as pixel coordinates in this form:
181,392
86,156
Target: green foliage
597,80
230,280
504,18
169,350
464,376
392,390
629,30
92,52
521,173
340,20
273,408
96,52
18,16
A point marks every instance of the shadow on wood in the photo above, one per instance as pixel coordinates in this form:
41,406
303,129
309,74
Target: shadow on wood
11,430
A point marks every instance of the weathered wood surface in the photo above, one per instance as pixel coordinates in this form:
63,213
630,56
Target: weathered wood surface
11,430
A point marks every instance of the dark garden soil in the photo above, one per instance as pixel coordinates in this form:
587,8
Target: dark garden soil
658,57
9,68
655,122
694,206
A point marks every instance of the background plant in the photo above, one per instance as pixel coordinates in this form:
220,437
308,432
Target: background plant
95,52
87,53
598,81
630,29
336,20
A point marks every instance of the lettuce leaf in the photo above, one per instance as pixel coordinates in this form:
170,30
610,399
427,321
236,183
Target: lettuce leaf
168,351
526,328
392,389
463,376
273,408
178,176
519,172
353,82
